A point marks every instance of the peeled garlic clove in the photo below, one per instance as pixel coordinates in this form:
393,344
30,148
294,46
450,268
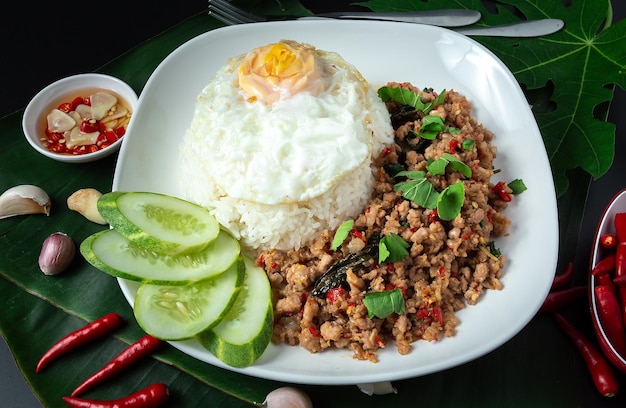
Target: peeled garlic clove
286,397
57,253
24,199
85,202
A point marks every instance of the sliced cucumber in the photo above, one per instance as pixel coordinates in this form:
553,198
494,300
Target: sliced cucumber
242,336
181,312
113,254
159,222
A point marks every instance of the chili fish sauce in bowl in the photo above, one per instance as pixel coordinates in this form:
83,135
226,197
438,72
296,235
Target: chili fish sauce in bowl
607,281
80,118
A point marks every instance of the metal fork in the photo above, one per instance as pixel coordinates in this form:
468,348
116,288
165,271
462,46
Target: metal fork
225,12
231,15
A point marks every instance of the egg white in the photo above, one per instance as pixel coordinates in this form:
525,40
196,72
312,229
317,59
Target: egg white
294,149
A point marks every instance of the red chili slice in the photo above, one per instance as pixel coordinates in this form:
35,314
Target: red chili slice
608,241
500,189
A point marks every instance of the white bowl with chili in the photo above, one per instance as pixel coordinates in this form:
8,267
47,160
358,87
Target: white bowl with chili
80,118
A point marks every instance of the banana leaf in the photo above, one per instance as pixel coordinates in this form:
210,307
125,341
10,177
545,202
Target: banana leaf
38,309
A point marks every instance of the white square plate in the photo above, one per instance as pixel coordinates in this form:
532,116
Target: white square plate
427,56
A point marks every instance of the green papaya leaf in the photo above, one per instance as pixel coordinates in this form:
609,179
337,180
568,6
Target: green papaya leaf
566,75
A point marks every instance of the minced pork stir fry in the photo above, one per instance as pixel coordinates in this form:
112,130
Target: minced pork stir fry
420,251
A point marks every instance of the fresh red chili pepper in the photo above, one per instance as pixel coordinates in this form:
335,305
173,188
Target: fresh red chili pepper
606,265
608,241
91,331
500,189
620,259
601,372
620,281
560,298
142,347
610,317
151,396
620,226
564,278
604,279
621,291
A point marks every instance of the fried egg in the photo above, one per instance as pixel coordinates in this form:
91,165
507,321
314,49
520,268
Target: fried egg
284,122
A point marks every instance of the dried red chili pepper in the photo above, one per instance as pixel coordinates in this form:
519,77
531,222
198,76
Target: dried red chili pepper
151,396
90,332
564,278
606,265
601,372
608,241
560,298
142,347
610,316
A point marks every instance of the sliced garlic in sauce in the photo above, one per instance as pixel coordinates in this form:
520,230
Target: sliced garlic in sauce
101,103
59,121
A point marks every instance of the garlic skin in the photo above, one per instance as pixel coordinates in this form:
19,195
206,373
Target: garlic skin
85,202
57,253
286,397
24,199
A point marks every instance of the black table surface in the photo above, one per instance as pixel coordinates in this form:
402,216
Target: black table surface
44,42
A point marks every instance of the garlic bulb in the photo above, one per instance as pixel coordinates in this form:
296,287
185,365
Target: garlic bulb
57,253
286,397
24,199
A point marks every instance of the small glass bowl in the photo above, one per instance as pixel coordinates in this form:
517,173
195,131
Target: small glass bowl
65,90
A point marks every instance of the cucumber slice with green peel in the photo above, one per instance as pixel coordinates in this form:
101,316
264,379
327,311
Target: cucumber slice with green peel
159,222
115,255
181,312
242,336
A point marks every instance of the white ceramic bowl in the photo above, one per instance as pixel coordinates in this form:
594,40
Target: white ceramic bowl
64,90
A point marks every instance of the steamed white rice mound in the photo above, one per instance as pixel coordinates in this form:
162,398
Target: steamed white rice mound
276,174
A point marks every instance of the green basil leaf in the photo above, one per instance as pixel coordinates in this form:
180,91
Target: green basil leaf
431,126
383,304
450,201
401,95
419,191
439,166
468,144
342,233
411,174
406,97
392,248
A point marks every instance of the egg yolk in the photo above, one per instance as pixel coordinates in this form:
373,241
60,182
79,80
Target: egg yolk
281,70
